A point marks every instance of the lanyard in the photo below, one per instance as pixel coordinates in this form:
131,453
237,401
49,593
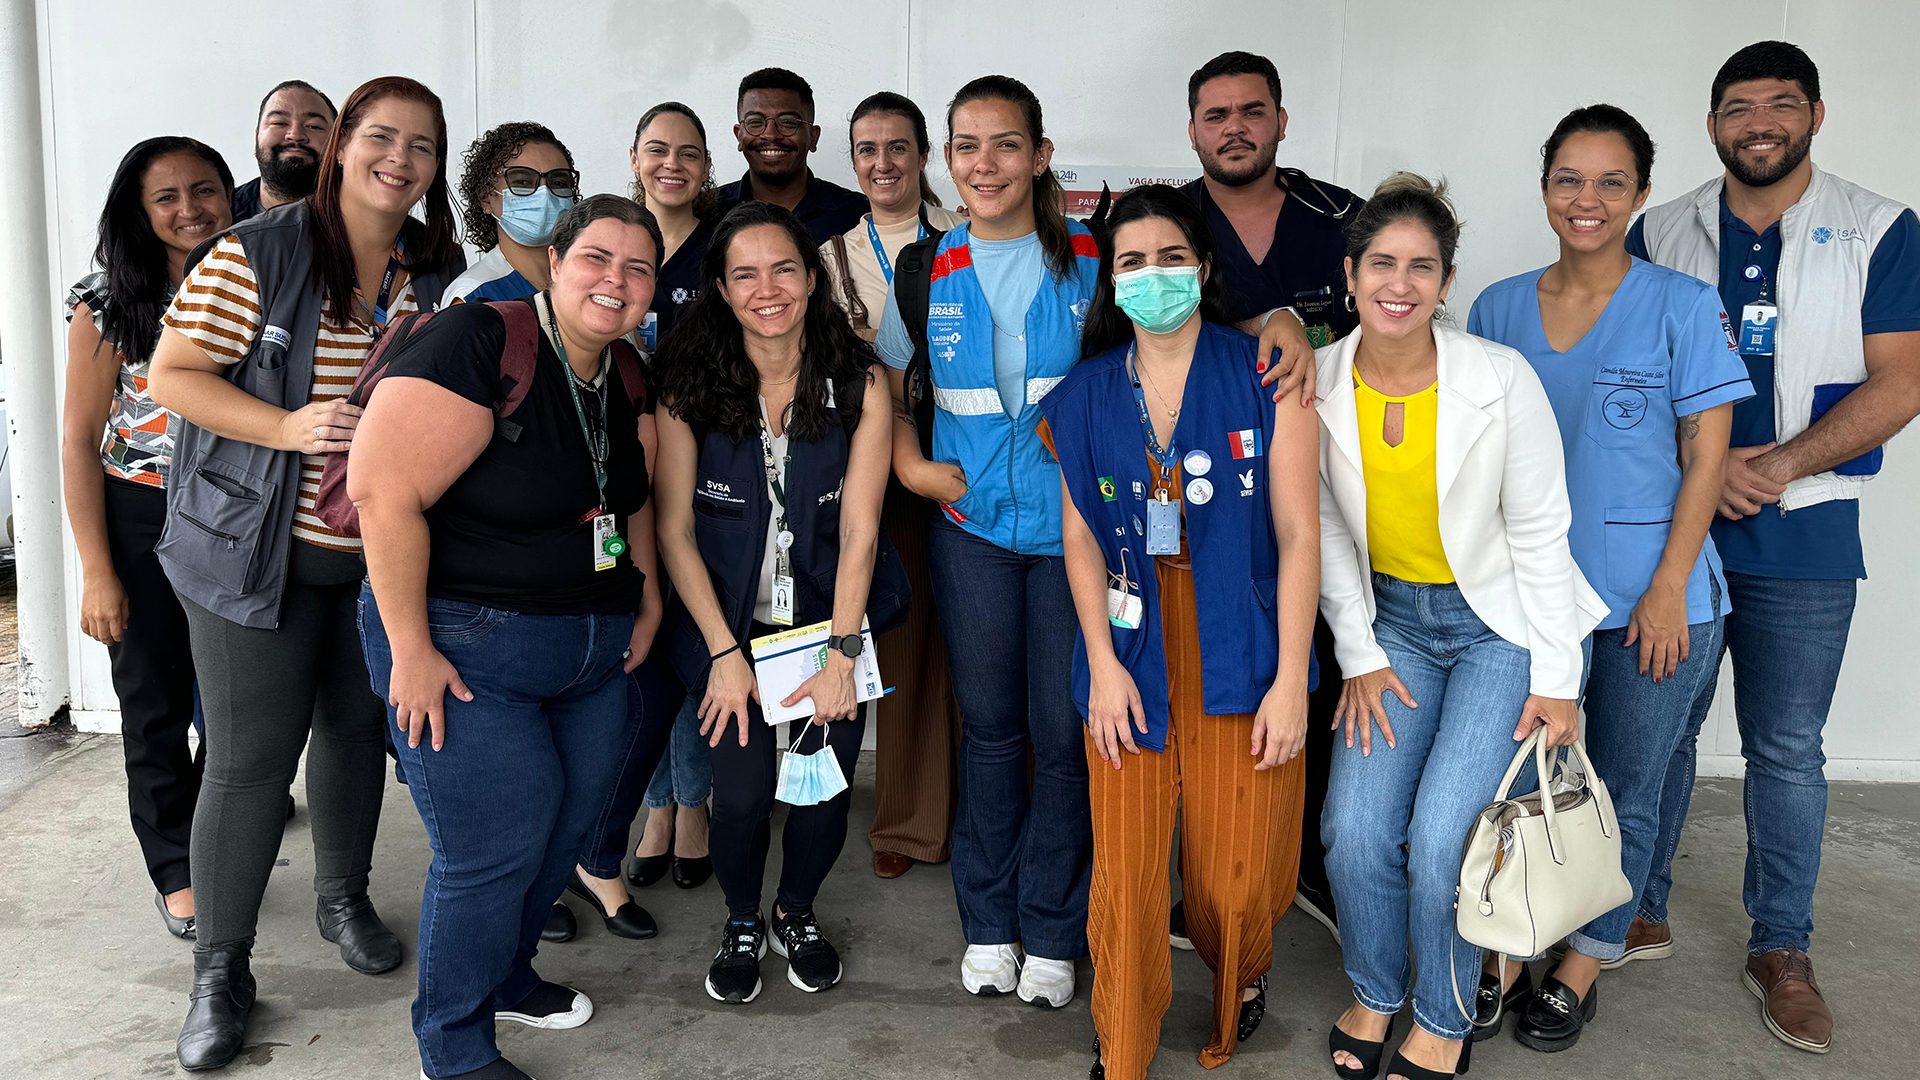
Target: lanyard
1164,456
596,441
379,308
880,253
774,474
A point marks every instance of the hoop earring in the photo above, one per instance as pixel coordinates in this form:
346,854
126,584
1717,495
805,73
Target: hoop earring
1349,303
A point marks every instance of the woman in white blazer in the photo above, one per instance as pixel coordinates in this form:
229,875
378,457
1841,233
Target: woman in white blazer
1457,612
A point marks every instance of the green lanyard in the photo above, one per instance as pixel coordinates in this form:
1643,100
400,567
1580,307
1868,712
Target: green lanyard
596,442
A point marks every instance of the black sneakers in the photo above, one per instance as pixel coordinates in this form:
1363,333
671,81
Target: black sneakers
734,977
812,963
549,1007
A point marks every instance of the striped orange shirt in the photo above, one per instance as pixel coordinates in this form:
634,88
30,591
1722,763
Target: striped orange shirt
218,309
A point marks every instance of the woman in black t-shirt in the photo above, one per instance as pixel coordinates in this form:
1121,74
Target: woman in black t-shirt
511,583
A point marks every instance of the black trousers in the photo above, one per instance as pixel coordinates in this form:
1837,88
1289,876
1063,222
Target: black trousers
153,677
1319,758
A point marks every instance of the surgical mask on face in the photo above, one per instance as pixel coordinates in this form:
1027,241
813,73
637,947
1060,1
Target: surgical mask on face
809,779
1159,299
529,220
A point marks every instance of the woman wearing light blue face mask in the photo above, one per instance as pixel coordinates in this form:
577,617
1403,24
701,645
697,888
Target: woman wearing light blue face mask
518,179
1184,487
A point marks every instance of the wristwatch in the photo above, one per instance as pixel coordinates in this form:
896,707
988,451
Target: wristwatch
849,646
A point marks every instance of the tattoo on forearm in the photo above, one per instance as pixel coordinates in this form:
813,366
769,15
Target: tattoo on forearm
1690,425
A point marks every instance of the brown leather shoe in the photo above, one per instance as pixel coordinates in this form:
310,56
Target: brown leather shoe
1792,1005
890,864
1645,941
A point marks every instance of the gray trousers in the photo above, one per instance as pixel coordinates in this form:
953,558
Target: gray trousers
268,695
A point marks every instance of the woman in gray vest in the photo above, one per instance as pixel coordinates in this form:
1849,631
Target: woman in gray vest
259,349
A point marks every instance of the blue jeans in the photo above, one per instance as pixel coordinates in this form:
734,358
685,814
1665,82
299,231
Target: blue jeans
1634,729
685,775
1022,852
1396,819
657,694
1787,637
507,802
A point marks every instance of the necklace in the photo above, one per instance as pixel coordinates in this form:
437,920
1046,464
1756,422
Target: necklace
1173,411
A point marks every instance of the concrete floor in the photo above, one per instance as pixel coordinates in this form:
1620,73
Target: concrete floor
91,986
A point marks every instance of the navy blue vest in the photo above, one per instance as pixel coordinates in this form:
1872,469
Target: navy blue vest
1236,560
731,508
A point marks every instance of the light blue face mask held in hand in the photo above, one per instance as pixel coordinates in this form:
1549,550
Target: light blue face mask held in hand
809,779
1159,299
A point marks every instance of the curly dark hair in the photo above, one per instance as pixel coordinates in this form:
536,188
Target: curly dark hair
704,374
483,161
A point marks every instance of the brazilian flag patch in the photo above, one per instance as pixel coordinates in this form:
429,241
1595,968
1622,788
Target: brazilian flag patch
1107,491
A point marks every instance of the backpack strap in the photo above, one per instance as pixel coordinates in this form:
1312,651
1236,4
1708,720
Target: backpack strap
633,375
519,352
856,308
912,285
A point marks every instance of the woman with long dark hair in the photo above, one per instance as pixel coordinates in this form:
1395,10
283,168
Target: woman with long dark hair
1165,423
168,196
773,461
260,347
1007,294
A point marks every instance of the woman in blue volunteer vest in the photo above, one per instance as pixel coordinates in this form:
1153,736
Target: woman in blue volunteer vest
1008,292
1182,485
773,461
1637,359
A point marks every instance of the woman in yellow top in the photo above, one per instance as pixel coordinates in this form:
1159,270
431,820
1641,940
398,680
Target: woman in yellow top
1457,613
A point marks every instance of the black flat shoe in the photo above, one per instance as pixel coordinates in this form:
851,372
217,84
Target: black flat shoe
561,925
630,920
1099,1070
181,928
1369,1053
365,943
644,870
692,873
1254,1009
1400,1066
1491,1007
1554,1016
217,1007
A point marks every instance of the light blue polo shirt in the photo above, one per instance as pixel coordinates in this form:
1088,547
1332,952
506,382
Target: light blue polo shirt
1662,349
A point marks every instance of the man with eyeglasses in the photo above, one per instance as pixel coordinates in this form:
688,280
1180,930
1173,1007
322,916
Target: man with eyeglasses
776,132
289,135
1823,278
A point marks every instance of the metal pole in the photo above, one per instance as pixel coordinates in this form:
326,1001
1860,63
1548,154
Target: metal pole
33,405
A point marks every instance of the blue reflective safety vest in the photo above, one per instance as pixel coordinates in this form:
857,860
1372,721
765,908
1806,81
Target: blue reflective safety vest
1013,484
1227,415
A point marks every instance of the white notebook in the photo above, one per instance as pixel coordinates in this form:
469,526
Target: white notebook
782,661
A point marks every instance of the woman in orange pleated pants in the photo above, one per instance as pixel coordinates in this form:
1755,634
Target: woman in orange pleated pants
1190,523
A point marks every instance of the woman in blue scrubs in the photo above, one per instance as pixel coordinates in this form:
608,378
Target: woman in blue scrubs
1638,362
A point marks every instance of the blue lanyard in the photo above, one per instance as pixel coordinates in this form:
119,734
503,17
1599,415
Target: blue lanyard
880,253
1164,456
378,309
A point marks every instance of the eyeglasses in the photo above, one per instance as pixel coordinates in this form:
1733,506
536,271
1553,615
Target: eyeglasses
1611,187
564,183
788,123
1741,112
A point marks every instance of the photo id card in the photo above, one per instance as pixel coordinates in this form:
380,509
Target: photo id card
607,544
1757,322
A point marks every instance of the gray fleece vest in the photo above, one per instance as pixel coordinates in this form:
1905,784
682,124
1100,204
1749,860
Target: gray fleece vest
230,504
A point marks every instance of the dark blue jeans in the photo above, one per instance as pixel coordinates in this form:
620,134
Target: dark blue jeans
1787,637
1022,852
658,697
507,802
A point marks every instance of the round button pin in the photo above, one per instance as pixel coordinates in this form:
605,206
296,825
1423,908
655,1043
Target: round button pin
1751,273
1196,463
784,540
1199,491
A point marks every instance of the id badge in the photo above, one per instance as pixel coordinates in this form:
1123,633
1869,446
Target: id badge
1124,609
780,604
607,545
1163,527
1757,322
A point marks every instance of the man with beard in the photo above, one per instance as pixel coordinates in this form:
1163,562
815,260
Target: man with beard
295,120
1280,242
1823,277
776,132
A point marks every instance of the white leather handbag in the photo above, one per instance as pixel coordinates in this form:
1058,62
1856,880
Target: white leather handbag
1536,869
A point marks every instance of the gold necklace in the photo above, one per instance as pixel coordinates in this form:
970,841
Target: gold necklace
1173,411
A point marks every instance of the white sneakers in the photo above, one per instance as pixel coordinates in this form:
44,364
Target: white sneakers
1046,983
991,970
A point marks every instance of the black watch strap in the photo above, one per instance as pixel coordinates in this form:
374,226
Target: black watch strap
850,646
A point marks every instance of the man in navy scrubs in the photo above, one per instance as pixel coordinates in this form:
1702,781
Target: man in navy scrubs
776,132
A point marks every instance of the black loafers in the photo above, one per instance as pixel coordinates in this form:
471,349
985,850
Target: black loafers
1491,1007
1555,1016
217,1007
691,873
630,920
643,871
365,943
561,925
181,928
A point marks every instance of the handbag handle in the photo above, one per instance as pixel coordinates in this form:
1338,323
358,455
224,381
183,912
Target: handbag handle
1536,746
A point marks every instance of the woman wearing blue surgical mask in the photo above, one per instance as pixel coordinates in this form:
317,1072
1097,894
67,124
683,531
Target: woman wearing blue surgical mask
519,178
1181,484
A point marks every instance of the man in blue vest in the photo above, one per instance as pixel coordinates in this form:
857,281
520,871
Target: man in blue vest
1823,277
776,132
1279,239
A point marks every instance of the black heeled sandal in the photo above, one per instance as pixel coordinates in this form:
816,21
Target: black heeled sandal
1369,1053
1253,1009
1402,1067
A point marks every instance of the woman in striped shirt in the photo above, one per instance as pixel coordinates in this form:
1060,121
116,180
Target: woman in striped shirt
278,653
